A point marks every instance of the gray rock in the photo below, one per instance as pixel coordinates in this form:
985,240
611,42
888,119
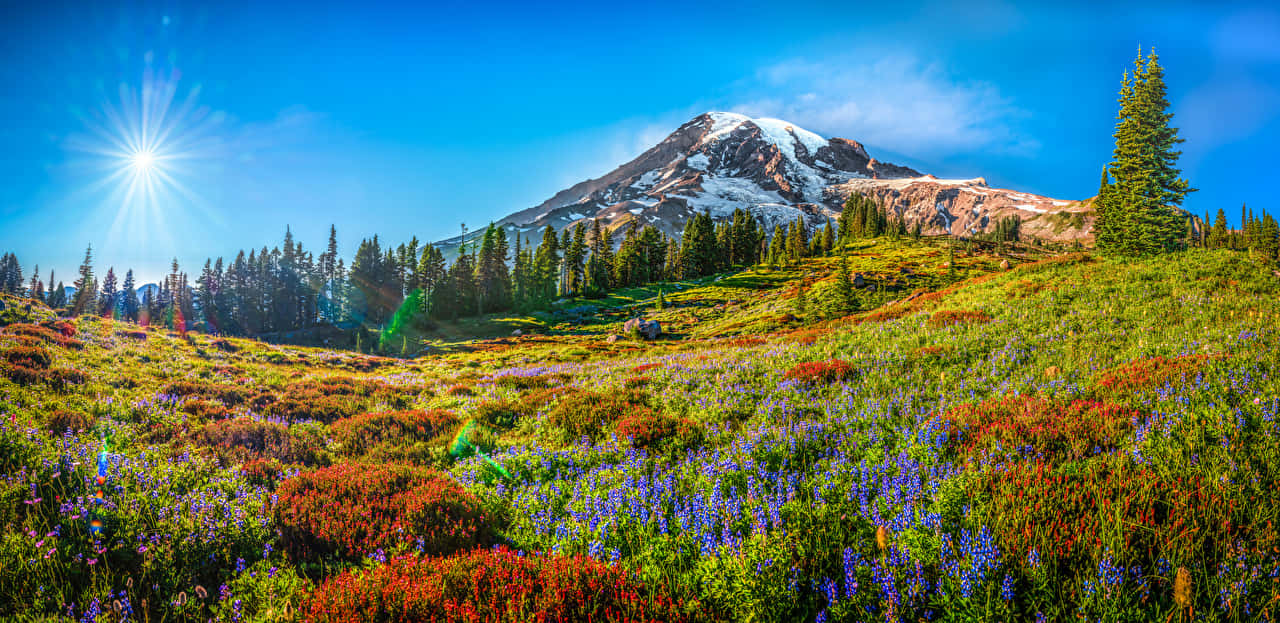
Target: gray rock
517,333
612,338
859,281
648,329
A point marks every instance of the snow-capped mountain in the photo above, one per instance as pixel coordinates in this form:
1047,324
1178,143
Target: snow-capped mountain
721,161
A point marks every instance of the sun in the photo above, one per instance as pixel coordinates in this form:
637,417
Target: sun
146,151
142,161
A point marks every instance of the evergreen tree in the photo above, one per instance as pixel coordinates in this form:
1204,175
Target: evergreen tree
493,282
828,238
49,296
107,296
546,268
129,299
33,288
86,290
58,298
431,273
1219,236
1138,206
697,247
1268,239
844,287
10,275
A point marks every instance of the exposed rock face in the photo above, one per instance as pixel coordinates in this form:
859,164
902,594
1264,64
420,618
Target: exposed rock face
968,207
722,161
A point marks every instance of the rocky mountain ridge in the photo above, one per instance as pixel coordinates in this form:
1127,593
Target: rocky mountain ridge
777,171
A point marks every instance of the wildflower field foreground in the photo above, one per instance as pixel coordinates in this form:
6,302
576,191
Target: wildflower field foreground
1071,439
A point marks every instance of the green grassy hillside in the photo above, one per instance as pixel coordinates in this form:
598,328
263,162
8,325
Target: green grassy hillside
1069,438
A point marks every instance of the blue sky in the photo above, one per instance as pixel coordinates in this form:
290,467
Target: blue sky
409,119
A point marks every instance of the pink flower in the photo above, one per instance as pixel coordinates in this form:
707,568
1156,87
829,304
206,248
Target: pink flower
93,561
1257,401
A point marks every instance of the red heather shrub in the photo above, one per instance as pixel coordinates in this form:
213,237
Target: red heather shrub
262,472
242,439
38,371
224,345
1072,513
35,357
1059,431
328,400
743,342
819,372
204,409
63,420
641,369
325,409
46,334
500,414
64,328
349,510
460,390
229,395
647,430
1152,372
587,413
492,586
361,434
521,382
946,318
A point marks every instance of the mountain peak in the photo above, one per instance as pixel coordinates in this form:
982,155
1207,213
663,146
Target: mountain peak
777,171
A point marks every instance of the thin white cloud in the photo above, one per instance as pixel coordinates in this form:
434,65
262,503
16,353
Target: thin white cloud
897,102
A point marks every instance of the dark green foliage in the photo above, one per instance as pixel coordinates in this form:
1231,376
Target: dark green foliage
864,217
10,275
1141,190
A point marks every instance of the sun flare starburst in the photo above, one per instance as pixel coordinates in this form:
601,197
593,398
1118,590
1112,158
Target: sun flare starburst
145,146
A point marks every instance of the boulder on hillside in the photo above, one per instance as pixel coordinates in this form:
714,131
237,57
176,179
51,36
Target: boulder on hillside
859,281
612,338
517,333
647,329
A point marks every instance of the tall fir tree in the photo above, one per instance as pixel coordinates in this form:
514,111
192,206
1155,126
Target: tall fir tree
1138,201
108,298
129,298
86,289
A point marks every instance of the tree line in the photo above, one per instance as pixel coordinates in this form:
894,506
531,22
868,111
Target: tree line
287,288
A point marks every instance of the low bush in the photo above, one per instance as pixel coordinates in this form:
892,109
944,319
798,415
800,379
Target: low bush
46,334
239,440
1150,373
391,435
500,414
229,395
952,317
588,413
35,357
1034,425
647,429
263,472
204,409
349,510
492,585
63,420
821,372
